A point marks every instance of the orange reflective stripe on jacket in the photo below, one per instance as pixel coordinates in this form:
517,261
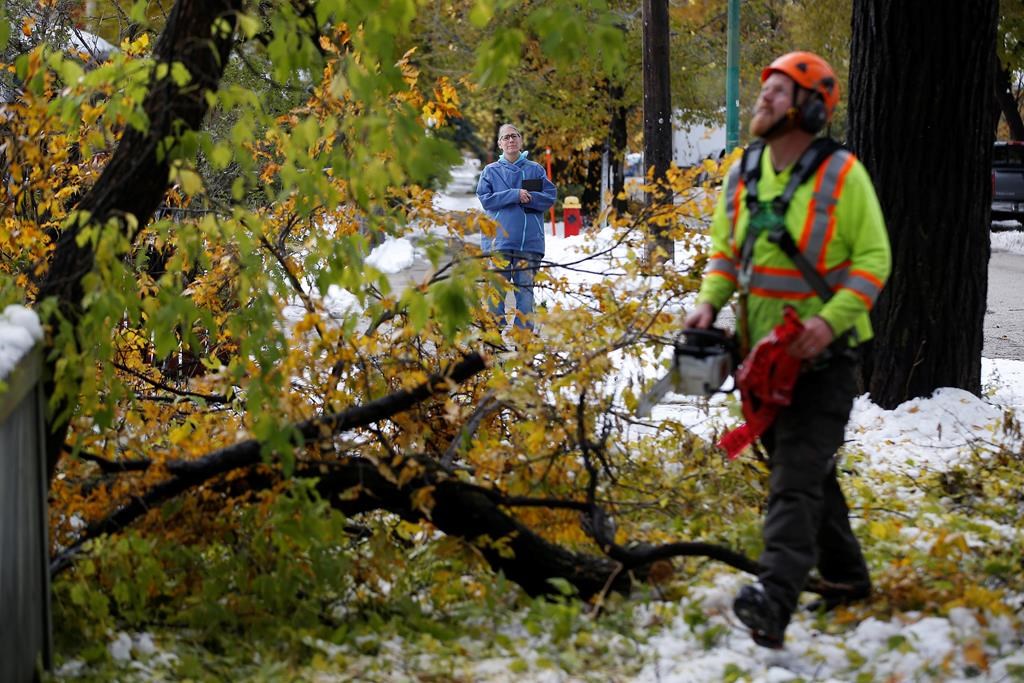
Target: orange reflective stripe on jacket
788,283
864,285
820,224
720,263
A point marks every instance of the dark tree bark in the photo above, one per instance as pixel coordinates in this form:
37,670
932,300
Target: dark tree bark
921,88
657,108
591,197
1008,103
617,141
474,514
135,180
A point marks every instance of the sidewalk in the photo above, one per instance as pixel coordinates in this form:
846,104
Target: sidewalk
404,260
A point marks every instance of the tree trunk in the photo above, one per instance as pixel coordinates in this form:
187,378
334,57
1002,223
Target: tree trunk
1008,103
657,111
591,197
617,141
135,180
921,88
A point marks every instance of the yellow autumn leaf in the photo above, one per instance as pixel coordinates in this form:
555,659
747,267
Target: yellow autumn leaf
884,530
423,499
179,434
974,654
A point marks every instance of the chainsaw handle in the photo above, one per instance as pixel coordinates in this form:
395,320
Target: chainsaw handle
711,335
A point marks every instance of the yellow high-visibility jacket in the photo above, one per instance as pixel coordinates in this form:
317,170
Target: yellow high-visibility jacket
835,220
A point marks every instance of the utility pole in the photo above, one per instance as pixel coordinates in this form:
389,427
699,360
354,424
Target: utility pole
732,79
657,112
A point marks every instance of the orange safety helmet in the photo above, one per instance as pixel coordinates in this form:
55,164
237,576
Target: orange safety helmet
810,72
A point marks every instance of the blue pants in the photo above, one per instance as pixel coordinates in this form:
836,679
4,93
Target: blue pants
520,269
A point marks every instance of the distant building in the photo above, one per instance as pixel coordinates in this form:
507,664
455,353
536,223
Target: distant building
691,144
694,142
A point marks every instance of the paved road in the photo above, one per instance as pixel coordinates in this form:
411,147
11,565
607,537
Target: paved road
1004,315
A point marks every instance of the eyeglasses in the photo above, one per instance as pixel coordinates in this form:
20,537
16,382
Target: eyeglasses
509,136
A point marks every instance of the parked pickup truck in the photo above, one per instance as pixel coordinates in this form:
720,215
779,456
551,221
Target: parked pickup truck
1008,181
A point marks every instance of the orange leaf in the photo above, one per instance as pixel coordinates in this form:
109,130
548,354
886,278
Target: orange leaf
974,654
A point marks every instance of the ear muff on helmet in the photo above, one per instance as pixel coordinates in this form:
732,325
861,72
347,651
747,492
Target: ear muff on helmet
813,115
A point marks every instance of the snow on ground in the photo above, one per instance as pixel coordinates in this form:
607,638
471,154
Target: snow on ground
392,256
457,202
897,650
1005,225
19,331
1012,241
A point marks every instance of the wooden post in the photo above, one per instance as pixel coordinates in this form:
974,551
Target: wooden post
657,110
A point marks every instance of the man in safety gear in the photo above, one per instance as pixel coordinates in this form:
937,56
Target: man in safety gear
798,224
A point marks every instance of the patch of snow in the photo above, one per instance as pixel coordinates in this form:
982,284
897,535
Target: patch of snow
1012,240
120,648
19,331
392,256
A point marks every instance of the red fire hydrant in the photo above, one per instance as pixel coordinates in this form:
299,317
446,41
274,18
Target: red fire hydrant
571,216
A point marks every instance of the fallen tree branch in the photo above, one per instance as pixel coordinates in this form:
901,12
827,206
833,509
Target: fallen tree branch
248,452
472,513
487,406
187,474
108,466
458,508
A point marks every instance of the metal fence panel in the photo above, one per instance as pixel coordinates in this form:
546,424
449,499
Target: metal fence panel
24,548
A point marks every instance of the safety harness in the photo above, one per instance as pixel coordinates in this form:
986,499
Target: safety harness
771,216
768,375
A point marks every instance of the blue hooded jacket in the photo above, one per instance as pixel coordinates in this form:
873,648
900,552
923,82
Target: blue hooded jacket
520,226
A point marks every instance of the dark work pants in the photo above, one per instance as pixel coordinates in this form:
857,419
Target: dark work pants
807,523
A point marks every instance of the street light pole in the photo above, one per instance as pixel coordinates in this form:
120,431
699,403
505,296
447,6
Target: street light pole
732,79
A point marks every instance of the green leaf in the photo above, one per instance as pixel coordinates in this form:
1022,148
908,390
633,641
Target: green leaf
220,156
180,74
138,13
497,56
418,309
70,71
5,30
250,25
481,13
562,586
191,182
453,306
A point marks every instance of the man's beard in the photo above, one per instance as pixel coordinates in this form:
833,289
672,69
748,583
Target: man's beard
767,128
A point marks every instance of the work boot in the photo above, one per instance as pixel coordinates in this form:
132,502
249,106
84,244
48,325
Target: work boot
757,611
827,602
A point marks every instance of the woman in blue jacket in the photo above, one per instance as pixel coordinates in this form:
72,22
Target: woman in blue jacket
515,192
